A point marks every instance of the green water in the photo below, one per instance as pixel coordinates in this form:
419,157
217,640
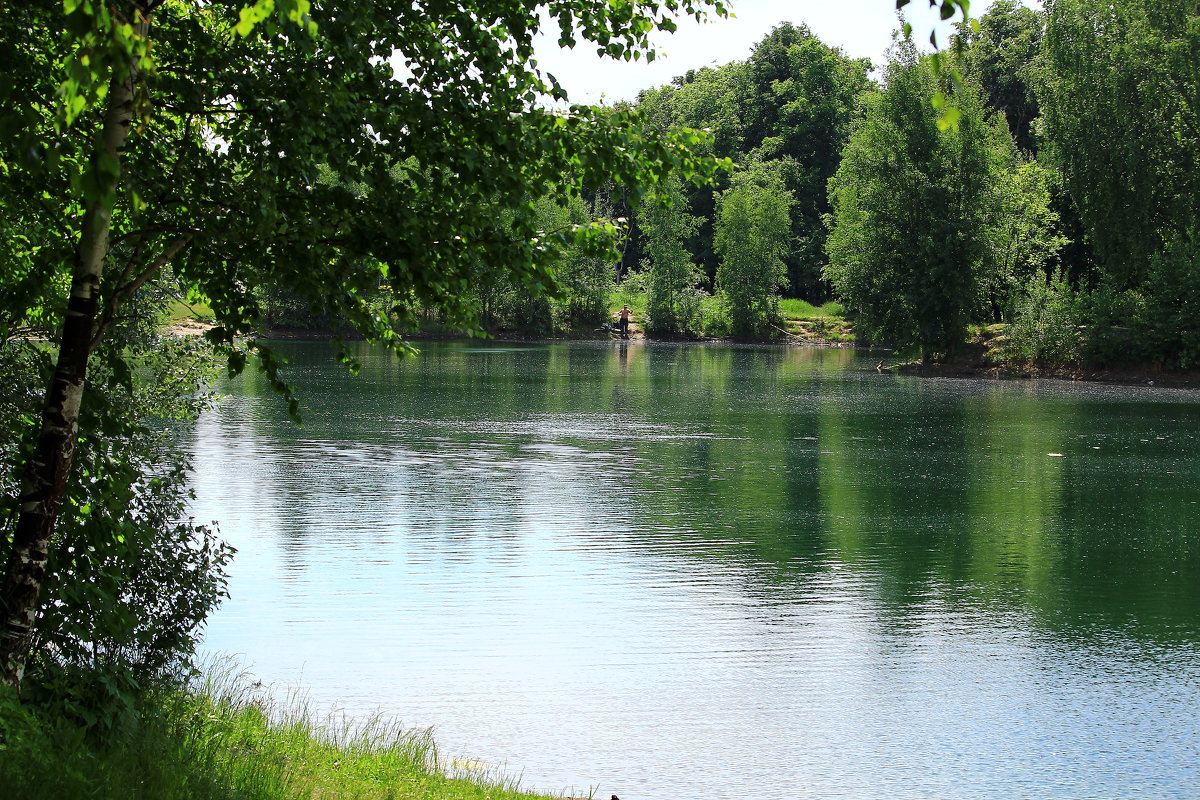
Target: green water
669,570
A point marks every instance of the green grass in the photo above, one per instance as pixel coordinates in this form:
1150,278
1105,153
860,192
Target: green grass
792,308
224,741
180,311
826,323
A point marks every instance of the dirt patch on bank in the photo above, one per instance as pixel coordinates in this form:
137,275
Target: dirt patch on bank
189,327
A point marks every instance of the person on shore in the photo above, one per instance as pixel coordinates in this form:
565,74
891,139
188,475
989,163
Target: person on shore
623,321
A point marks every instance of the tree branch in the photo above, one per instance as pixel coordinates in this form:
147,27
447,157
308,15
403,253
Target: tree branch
123,293
154,229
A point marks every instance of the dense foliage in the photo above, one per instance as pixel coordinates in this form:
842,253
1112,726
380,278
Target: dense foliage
1060,203
791,101
130,577
1118,81
913,207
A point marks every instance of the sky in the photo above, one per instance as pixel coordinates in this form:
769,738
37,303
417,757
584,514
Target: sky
862,28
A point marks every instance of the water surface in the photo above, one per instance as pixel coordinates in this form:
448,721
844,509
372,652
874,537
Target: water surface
669,571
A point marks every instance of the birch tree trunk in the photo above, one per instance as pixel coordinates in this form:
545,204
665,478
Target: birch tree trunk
44,478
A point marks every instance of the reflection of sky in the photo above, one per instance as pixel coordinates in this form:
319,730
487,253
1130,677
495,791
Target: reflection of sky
668,587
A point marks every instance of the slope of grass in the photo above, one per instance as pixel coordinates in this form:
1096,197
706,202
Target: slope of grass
221,742
792,308
823,323
180,311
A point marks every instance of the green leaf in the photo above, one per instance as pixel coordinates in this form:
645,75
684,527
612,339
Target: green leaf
250,16
246,23
949,118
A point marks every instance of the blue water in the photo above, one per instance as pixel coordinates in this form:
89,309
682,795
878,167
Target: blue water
668,571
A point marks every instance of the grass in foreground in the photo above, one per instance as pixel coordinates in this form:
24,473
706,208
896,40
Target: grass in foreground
218,743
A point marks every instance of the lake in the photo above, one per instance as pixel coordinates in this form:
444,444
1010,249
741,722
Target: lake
675,571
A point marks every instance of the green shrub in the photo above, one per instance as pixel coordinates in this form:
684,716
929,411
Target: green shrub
715,318
1114,317
130,579
1047,322
1169,330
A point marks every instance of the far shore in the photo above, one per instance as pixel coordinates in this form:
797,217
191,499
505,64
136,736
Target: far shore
192,327
969,365
1132,374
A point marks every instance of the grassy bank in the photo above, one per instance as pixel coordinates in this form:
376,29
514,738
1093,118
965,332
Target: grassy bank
824,323
179,311
224,742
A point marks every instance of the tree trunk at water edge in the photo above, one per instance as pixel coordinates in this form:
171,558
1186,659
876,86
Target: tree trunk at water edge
44,477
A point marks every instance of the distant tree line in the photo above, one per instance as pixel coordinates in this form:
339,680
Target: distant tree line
714,258
1063,204
1058,198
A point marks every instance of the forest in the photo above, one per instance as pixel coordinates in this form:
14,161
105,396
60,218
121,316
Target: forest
1060,204
1045,200
263,164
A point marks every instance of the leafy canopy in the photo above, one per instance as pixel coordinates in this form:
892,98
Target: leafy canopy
332,148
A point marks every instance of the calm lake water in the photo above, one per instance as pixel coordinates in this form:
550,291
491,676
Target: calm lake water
671,571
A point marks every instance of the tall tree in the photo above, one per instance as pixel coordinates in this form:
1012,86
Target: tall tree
1002,52
1120,88
714,100
671,272
753,234
804,98
913,205
326,146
